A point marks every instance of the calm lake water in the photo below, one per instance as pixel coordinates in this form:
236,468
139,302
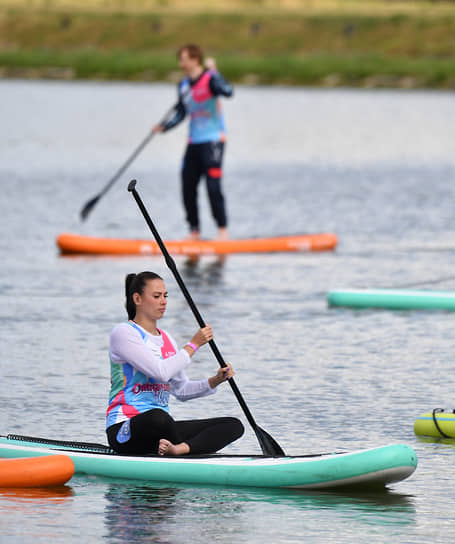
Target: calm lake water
375,167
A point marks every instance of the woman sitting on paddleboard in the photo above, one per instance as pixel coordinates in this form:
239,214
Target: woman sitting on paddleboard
146,366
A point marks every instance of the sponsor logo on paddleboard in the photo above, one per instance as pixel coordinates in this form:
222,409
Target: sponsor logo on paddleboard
300,245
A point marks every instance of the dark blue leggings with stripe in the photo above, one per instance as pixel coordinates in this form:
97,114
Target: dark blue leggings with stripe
203,160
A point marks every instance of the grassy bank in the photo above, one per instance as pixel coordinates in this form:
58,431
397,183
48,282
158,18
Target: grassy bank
406,48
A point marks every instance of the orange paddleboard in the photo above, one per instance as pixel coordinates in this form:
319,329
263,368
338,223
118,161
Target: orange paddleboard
78,244
48,470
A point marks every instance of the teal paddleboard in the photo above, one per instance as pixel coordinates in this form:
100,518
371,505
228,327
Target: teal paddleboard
393,299
369,468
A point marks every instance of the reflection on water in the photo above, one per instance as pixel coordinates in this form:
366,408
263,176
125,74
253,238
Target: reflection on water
11,497
436,440
135,510
35,515
203,270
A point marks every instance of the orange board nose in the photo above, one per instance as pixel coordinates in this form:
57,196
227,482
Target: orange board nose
48,470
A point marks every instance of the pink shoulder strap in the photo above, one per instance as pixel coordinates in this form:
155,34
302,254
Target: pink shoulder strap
201,90
167,349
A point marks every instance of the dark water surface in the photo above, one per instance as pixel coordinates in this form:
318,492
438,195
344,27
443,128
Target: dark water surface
375,167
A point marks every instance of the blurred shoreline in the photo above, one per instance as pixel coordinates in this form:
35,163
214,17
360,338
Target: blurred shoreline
370,44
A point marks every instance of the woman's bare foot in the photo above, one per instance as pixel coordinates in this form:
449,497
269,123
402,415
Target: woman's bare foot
194,235
223,234
168,448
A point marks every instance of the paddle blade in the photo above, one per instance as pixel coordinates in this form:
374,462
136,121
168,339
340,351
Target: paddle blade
88,207
268,444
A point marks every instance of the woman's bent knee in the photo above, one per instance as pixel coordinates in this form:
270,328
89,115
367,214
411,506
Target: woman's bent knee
236,427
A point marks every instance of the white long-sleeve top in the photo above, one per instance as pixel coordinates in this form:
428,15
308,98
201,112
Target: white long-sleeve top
142,378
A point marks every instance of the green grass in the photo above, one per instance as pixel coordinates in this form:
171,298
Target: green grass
399,50
316,69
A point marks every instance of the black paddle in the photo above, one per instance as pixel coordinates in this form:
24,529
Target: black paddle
268,444
91,203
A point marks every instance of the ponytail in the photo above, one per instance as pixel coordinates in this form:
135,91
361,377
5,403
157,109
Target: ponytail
135,283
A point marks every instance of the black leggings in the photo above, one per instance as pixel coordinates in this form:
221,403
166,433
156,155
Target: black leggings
203,160
201,435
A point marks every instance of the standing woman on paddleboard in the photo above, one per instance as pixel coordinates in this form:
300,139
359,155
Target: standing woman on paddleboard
146,366
198,96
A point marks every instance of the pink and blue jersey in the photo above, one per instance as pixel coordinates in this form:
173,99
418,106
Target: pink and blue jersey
132,392
199,99
145,370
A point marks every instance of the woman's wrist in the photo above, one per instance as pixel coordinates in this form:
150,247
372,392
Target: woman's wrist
192,345
190,348
213,382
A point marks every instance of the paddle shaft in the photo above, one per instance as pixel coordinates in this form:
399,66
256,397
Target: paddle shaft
130,159
91,203
267,443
